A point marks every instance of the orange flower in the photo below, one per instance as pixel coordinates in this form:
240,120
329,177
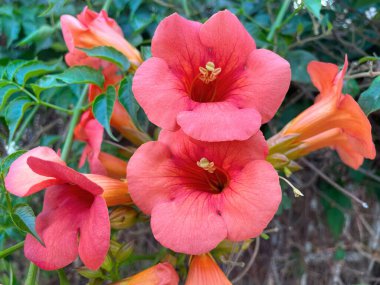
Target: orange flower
204,270
335,120
91,29
160,274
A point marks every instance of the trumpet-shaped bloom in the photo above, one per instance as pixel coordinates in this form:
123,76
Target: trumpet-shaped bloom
74,219
335,120
91,29
204,270
209,79
160,274
91,132
200,193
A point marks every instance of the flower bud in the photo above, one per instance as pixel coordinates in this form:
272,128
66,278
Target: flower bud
124,252
123,217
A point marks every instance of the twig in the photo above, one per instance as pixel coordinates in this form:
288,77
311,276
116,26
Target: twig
310,39
333,183
250,262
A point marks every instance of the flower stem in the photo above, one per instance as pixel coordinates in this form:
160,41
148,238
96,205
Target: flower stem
69,137
106,5
62,277
25,123
31,278
12,249
277,22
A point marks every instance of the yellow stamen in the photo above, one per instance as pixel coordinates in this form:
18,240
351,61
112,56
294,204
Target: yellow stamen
206,165
209,72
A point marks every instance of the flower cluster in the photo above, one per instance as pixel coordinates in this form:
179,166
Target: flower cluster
207,178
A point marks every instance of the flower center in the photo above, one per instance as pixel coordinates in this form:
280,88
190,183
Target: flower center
209,72
204,87
216,178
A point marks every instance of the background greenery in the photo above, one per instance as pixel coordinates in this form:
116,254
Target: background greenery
322,238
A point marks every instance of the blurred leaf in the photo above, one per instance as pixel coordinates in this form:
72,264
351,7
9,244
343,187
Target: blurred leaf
23,217
369,100
335,221
13,66
102,109
339,254
299,59
42,33
146,52
6,90
10,28
15,112
351,87
6,162
32,69
109,54
314,7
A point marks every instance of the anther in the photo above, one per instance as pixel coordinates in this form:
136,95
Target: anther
209,73
206,165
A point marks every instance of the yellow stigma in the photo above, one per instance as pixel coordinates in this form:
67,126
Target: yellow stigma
209,72
206,165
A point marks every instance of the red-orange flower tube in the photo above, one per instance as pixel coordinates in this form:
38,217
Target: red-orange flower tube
335,120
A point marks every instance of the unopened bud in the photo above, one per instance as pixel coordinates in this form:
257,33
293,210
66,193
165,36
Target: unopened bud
123,217
114,247
278,160
90,274
124,252
107,263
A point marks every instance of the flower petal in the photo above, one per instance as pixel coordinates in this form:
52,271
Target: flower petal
63,173
264,83
177,42
95,235
190,223
229,40
23,181
251,200
322,74
219,121
160,93
57,225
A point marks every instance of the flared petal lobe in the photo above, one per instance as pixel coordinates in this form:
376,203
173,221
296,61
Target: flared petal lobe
23,181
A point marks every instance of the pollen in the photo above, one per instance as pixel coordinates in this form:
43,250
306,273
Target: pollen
209,72
206,165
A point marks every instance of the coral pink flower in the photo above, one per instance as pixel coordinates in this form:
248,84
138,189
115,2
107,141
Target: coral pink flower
204,270
200,193
74,220
209,79
91,29
160,274
91,132
335,120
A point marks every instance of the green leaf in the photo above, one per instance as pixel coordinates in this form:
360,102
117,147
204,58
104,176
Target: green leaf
335,221
14,113
32,69
351,87
13,66
11,29
41,34
127,99
299,59
340,253
6,90
23,217
73,75
6,163
369,100
314,7
109,54
102,109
